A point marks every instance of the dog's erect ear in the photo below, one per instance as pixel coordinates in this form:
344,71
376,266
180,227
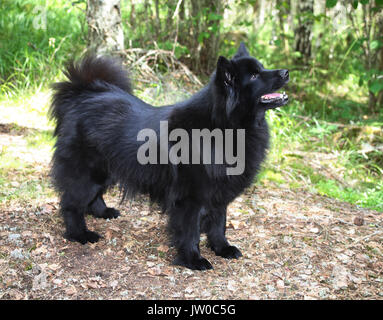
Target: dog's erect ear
225,72
226,80
242,51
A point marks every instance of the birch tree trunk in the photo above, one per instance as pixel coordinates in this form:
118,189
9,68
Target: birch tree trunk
303,32
105,35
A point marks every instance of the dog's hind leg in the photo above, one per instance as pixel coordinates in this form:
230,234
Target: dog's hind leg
214,224
74,203
99,209
184,224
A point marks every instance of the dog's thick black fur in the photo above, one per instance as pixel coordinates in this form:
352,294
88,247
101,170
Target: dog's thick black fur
98,119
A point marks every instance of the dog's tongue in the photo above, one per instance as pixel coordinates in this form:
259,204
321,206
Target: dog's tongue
272,95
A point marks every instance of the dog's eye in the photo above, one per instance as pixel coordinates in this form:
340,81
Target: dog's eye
254,76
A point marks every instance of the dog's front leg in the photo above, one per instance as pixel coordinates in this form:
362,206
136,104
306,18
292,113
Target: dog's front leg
214,224
184,225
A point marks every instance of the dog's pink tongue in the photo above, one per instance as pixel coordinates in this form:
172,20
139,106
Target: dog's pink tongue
272,95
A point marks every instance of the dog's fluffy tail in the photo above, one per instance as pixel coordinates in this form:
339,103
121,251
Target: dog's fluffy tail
89,74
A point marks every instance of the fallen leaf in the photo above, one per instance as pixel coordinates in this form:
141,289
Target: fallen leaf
71,290
163,248
236,224
156,271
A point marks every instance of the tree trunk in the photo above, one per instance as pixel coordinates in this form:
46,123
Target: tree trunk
212,43
205,33
303,32
379,100
373,29
105,35
379,56
132,16
283,12
261,13
158,20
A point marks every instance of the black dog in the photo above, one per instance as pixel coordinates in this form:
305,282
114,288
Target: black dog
98,120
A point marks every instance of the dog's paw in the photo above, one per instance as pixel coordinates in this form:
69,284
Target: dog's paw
107,213
229,252
199,263
84,237
110,213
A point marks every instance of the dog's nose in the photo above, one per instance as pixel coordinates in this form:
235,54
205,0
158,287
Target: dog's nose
284,73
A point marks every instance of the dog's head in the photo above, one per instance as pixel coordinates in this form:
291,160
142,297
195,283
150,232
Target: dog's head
245,81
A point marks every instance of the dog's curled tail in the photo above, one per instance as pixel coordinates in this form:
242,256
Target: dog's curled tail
91,73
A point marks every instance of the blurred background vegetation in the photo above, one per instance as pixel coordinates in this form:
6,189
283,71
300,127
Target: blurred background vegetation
328,140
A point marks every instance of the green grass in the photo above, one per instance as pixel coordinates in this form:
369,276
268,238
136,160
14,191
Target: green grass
31,55
20,180
36,190
40,139
28,108
325,158
24,159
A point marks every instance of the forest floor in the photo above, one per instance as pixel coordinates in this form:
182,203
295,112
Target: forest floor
295,245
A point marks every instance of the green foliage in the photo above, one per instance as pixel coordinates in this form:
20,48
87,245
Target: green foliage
36,37
296,160
331,3
375,86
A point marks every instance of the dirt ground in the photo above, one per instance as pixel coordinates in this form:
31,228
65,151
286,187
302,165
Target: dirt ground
295,245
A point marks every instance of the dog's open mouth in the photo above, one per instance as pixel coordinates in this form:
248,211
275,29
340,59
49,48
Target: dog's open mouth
275,97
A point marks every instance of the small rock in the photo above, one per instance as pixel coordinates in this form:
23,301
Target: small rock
231,285
344,258
366,293
280,284
40,281
323,293
359,221
113,284
17,254
113,242
363,257
314,230
124,293
341,277
206,293
287,239
261,210
187,272
270,288
14,237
